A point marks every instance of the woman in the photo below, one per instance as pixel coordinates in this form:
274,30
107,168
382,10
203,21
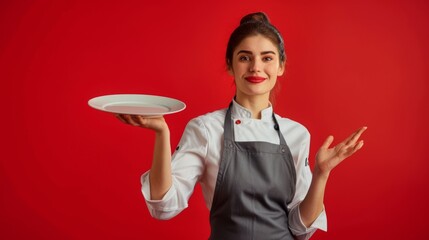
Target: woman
251,163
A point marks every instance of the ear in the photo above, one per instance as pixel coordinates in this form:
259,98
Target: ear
230,71
281,68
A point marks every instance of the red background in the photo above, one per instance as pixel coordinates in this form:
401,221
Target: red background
70,172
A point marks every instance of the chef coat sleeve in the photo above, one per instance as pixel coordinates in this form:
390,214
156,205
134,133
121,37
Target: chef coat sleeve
303,177
187,164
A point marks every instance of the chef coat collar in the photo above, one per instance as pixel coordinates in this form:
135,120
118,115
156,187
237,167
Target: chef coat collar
239,111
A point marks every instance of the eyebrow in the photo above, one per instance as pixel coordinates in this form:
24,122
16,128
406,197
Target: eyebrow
250,52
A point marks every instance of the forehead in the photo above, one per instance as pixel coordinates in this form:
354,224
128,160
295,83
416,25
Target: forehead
255,44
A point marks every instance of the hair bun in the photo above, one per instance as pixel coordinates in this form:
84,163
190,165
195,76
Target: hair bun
255,17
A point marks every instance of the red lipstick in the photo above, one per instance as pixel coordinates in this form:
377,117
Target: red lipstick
255,79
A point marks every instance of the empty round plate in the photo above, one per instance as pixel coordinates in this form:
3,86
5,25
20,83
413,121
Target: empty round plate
137,104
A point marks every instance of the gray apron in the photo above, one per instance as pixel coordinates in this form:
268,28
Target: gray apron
255,183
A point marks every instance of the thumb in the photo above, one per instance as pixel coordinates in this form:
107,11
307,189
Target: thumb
327,142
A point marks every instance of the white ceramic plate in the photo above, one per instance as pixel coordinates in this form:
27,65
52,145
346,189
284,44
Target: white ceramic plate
137,104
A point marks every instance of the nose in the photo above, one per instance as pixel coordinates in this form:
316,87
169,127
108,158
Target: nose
255,65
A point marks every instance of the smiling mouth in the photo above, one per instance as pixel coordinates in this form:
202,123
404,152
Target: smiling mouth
254,79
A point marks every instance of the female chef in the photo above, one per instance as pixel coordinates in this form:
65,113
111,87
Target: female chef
251,163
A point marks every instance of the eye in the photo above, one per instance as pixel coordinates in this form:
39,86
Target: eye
244,58
267,59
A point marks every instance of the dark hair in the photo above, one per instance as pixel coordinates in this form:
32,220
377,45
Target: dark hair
254,24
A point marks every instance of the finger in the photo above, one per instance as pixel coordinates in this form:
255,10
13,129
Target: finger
121,118
348,151
130,120
327,142
351,141
141,120
359,145
135,119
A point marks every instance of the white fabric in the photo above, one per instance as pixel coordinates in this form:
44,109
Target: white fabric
199,152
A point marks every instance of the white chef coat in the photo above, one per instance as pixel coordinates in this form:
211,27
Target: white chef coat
198,155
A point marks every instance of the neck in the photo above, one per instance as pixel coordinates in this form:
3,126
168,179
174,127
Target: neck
254,103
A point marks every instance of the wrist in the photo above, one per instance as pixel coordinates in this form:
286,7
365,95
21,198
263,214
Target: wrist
161,128
320,175
163,132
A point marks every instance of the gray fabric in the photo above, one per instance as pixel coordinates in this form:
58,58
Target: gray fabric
255,183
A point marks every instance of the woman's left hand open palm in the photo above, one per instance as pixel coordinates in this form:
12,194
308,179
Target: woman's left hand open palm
328,158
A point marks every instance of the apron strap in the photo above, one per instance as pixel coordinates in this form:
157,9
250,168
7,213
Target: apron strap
277,128
228,131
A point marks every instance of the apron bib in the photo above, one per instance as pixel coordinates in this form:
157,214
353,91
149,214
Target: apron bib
255,183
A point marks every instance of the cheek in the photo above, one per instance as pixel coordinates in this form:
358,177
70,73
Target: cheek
273,71
239,69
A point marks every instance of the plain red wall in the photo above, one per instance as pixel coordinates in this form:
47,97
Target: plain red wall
70,172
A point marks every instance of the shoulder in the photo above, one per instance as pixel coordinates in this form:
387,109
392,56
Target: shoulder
212,121
292,127
211,118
